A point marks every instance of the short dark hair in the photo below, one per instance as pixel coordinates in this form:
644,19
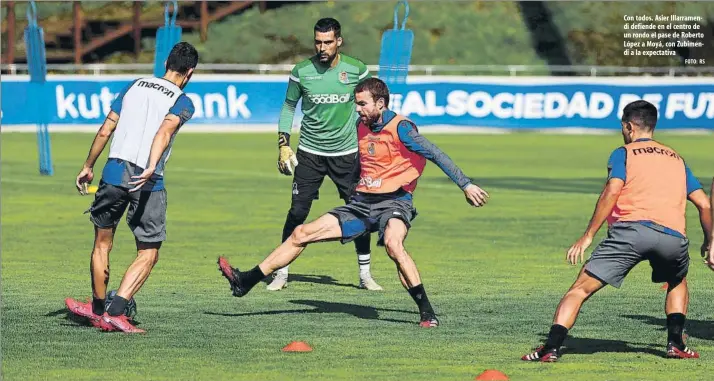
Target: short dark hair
642,113
327,24
183,57
376,87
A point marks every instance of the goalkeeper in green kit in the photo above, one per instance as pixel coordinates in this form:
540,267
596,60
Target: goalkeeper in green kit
328,136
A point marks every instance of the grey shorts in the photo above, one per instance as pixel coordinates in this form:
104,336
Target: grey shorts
146,215
358,217
629,243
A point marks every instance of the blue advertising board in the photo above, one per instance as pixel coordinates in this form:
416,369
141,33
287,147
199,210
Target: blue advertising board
497,102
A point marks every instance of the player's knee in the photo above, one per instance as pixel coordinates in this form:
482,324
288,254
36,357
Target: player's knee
394,247
299,235
581,291
102,247
149,256
299,212
153,258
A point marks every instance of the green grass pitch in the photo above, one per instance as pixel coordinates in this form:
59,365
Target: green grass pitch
494,274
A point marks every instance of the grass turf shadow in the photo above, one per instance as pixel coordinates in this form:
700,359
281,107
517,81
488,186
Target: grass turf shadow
322,307
310,278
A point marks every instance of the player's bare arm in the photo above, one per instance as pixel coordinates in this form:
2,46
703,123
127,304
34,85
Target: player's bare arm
607,200
86,174
163,136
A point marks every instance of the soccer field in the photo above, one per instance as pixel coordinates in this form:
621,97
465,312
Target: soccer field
494,274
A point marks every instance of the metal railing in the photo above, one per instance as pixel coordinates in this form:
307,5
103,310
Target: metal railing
510,70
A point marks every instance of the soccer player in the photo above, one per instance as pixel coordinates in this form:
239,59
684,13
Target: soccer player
143,120
392,156
328,139
644,202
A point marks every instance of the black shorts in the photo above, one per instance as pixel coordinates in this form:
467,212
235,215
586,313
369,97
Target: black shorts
312,169
361,216
146,216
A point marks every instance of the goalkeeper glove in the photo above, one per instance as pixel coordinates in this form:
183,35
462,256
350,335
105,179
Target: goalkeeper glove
287,161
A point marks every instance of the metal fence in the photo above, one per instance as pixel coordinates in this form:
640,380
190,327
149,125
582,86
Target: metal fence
500,70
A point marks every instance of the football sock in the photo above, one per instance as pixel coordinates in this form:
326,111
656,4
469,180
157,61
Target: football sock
97,306
250,278
556,337
364,261
419,295
675,326
117,306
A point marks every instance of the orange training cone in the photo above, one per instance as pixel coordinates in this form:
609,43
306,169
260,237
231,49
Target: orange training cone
297,346
491,375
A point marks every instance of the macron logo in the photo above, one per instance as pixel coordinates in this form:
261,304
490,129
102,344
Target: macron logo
156,86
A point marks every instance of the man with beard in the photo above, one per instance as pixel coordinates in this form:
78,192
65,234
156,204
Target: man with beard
392,157
328,139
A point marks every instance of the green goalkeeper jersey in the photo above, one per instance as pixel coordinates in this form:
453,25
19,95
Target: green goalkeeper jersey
329,118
